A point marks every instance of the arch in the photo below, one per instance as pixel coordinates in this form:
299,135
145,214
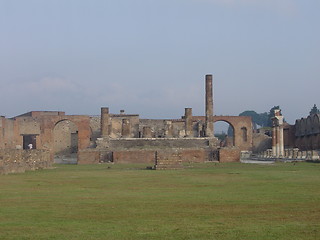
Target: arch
65,138
226,138
241,125
316,124
309,125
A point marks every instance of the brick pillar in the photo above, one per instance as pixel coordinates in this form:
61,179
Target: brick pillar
209,107
104,122
126,128
188,123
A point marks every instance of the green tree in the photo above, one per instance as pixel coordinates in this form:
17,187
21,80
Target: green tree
261,119
271,115
314,110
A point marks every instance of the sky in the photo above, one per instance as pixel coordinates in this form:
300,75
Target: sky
150,57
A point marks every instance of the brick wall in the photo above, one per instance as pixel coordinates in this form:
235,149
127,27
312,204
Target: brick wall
159,143
229,155
134,156
88,156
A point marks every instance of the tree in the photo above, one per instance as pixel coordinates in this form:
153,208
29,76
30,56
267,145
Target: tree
260,119
314,110
271,115
254,115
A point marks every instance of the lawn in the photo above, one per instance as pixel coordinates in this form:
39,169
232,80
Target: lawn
205,201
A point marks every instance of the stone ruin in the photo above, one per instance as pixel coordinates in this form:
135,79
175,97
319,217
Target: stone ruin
125,138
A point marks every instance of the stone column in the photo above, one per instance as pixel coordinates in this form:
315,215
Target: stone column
274,141
126,128
281,143
277,134
188,122
168,128
209,106
278,142
104,122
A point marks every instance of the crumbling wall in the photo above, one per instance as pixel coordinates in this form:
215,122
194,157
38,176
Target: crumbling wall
116,125
261,142
95,126
157,126
16,161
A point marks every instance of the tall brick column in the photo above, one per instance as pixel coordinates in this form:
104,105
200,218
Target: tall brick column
209,107
188,122
104,122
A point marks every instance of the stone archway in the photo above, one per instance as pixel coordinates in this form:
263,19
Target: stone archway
224,131
65,141
242,126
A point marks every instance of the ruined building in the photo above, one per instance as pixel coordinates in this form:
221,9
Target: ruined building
300,141
125,138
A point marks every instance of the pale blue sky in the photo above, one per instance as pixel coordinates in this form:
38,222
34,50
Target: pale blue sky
150,57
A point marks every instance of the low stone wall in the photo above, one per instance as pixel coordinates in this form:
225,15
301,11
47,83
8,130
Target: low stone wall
17,161
92,156
196,155
158,143
229,155
89,156
292,153
134,156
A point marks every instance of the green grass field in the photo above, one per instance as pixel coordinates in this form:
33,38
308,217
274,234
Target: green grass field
206,201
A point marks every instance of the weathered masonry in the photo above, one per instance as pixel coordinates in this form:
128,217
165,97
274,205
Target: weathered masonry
125,137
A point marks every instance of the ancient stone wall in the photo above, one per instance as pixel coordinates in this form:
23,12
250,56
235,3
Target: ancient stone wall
159,143
95,127
65,135
89,156
242,126
124,123
261,142
41,128
307,133
196,155
229,155
135,156
157,126
15,161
